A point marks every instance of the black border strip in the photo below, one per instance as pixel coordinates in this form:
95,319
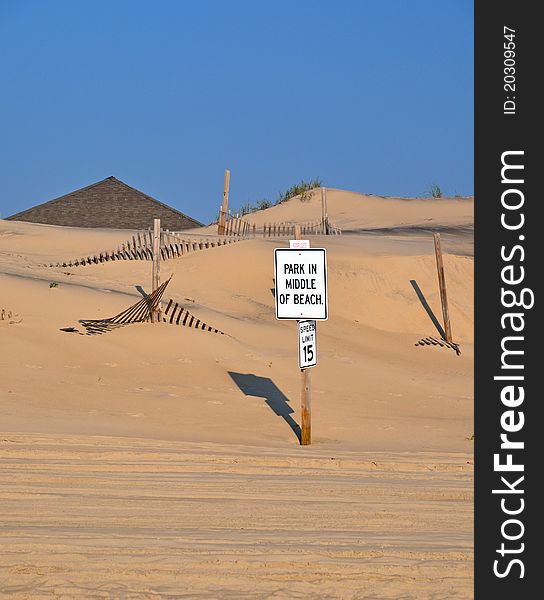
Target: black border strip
506,568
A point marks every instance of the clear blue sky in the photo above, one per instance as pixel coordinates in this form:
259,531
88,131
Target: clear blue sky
370,96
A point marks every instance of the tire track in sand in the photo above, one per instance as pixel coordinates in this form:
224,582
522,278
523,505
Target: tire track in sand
90,517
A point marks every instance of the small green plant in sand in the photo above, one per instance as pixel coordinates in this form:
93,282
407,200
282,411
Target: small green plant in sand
248,207
434,191
52,284
263,204
245,209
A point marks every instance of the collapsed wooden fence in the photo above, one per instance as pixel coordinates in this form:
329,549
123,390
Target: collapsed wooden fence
140,312
144,310
140,247
175,314
432,341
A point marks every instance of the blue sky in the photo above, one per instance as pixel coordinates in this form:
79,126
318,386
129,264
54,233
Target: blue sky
369,96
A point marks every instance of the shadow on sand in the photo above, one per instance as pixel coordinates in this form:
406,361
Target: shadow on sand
426,306
263,387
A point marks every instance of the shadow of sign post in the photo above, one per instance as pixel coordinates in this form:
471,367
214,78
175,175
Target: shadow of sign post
264,387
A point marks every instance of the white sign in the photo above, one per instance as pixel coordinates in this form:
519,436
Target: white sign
301,283
299,244
307,344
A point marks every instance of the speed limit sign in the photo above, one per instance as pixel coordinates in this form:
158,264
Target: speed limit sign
307,344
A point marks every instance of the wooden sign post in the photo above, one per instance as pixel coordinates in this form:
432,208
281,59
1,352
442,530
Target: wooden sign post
300,275
224,205
305,392
307,347
306,408
155,276
442,286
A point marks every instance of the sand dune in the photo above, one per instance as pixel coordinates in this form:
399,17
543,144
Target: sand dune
160,460
352,211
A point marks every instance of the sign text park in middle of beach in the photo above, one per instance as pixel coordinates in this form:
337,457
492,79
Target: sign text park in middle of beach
301,283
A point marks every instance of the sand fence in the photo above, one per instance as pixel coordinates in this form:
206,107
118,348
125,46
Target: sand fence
140,247
143,312
323,227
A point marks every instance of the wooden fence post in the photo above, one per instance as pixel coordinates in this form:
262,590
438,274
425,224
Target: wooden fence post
225,204
442,286
324,211
155,277
221,221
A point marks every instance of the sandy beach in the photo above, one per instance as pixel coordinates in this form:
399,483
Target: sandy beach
163,461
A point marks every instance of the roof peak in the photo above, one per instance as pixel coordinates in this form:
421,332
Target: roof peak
111,179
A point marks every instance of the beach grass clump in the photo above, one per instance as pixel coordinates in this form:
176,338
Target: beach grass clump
248,207
245,209
263,204
303,189
435,191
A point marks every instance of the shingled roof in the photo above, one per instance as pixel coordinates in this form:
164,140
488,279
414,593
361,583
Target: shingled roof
109,203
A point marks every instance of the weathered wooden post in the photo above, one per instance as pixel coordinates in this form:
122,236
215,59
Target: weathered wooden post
306,408
442,286
225,204
324,211
305,392
155,277
228,223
